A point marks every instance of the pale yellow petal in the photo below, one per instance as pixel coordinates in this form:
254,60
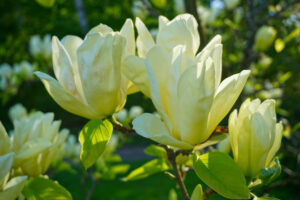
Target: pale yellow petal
64,99
135,71
144,40
4,140
149,126
276,144
182,30
196,91
62,66
101,28
13,188
6,162
225,97
99,61
128,33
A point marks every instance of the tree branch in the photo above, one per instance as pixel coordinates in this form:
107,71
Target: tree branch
172,158
81,16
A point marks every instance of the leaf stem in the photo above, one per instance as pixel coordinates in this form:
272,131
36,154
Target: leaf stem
172,158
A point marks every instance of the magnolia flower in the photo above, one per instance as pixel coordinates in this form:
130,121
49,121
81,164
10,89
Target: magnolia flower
89,79
264,38
182,30
255,136
35,141
10,188
135,111
185,90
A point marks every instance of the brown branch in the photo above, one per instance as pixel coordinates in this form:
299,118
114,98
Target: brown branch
172,158
191,7
119,127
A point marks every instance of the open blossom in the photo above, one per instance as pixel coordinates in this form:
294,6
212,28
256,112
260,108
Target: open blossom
186,90
35,141
89,79
10,188
255,136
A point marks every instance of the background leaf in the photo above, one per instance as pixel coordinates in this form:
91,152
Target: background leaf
93,139
149,168
41,188
220,172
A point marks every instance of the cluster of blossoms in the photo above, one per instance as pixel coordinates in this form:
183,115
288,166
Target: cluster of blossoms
40,47
12,76
94,75
29,149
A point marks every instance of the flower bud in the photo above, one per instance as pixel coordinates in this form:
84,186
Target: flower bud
135,111
264,38
255,136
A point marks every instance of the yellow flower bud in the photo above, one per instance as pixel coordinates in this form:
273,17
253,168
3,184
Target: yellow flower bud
255,136
89,79
264,38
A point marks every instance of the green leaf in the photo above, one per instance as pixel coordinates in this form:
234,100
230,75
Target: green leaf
197,193
149,168
267,175
279,45
93,139
154,150
46,3
41,188
214,139
293,34
220,172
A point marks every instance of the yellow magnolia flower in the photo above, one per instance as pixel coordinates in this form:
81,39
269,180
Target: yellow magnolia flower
186,92
89,79
254,135
182,30
35,141
10,188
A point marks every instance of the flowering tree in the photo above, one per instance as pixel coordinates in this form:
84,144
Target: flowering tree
183,78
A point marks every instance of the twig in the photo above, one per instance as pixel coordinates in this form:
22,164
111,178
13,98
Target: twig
172,159
93,186
81,16
119,127
191,7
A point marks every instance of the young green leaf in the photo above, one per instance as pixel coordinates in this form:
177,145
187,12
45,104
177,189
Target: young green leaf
154,150
197,193
149,168
93,139
40,188
220,172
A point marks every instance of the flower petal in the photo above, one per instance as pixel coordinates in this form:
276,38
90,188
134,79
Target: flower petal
128,33
135,70
4,140
99,61
101,28
62,66
276,144
64,99
225,97
182,30
149,126
6,162
196,91
144,41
